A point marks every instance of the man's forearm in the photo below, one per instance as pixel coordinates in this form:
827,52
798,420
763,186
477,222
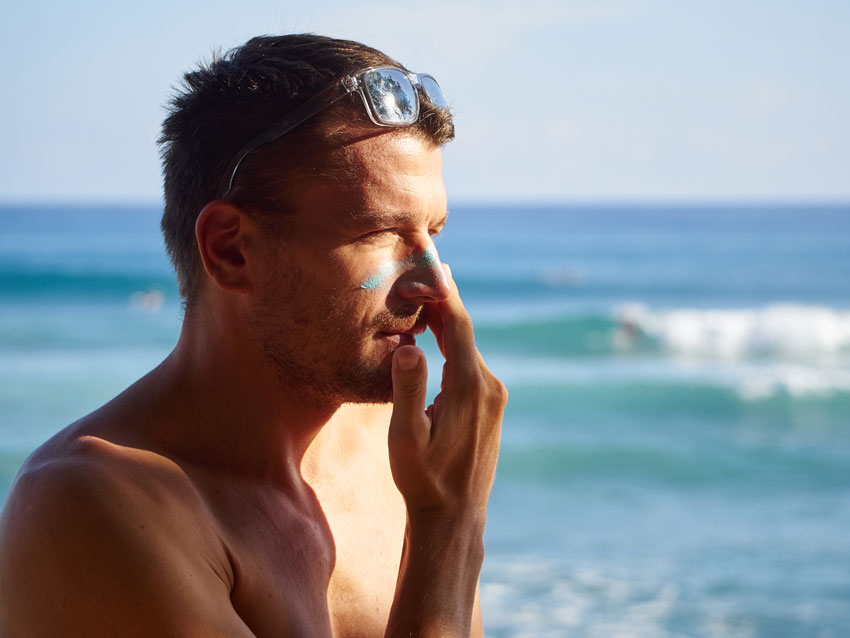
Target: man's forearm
435,593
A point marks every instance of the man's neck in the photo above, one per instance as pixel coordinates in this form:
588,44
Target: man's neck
220,404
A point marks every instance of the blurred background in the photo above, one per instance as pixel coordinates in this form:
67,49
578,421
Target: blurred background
650,223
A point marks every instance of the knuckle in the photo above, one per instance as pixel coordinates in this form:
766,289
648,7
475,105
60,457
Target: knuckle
500,392
496,391
407,391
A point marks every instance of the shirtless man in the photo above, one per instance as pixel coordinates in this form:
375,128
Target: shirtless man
279,473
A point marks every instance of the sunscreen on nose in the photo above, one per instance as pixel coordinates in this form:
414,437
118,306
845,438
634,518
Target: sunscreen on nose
431,260
427,259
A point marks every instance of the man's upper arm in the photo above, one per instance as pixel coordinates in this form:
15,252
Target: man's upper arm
86,551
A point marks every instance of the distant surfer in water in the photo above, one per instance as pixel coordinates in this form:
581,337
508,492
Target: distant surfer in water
279,473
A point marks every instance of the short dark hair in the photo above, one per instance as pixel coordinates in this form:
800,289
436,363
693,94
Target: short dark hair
224,103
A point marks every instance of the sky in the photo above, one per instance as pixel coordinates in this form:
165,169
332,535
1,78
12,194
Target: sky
647,100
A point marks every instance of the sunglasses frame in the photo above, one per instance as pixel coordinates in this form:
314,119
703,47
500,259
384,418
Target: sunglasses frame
349,84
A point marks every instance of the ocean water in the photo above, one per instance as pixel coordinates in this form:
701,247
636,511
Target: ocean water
676,449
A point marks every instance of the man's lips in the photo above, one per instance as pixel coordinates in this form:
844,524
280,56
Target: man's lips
418,327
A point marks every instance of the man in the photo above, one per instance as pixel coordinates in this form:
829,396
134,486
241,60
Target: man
259,482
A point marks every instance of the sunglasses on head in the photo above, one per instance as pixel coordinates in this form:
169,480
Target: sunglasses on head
389,93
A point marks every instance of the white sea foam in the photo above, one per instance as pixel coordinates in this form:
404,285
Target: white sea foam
780,330
553,598
796,381
537,600
750,380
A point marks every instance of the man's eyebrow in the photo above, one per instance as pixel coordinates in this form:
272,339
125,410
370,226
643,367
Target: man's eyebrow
443,220
390,218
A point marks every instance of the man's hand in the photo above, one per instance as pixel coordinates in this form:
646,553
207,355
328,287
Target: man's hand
443,460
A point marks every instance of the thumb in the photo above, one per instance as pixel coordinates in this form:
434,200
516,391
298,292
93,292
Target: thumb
410,386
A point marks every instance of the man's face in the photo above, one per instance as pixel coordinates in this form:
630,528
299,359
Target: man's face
348,282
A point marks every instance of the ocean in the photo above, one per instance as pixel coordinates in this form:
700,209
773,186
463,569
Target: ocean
676,449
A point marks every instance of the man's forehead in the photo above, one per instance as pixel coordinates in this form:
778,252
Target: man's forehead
378,158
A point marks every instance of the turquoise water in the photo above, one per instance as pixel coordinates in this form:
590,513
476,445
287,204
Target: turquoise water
676,450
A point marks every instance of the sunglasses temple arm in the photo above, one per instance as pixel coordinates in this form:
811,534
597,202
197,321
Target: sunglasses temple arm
278,129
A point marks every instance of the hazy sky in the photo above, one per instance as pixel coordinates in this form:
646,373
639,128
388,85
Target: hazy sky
554,100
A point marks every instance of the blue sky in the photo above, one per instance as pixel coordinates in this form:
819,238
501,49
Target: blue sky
555,101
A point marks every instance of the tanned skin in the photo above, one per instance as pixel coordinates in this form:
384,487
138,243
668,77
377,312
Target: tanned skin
236,490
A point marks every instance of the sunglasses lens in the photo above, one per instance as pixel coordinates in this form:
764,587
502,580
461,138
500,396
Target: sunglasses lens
392,96
432,90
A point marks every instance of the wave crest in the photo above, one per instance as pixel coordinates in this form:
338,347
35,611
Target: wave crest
780,330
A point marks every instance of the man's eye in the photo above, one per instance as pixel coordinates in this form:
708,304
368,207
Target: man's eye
374,235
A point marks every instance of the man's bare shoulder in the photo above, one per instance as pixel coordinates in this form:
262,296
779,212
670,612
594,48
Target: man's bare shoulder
99,538
101,477
83,474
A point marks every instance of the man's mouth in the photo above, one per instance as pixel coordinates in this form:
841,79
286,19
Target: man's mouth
406,336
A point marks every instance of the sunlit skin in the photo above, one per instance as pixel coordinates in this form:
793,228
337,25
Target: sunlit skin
313,298
235,490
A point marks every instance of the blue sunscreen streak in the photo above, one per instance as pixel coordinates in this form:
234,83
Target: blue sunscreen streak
426,259
385,271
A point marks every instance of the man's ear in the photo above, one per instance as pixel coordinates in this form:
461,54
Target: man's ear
220,231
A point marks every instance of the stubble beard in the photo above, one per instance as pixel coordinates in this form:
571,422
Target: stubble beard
316,356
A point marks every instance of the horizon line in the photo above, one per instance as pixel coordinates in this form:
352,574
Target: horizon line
491,202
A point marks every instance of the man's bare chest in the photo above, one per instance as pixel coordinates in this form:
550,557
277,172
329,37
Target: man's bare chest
368,543
281,559
328,572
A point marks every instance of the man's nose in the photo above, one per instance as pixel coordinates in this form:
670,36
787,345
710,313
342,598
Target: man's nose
424,280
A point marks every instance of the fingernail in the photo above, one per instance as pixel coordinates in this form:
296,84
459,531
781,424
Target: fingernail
407,359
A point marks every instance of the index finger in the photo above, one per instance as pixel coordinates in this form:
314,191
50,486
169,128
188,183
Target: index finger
452,327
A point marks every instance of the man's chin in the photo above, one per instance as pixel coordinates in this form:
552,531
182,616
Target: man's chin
373,395
373,401
373,385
